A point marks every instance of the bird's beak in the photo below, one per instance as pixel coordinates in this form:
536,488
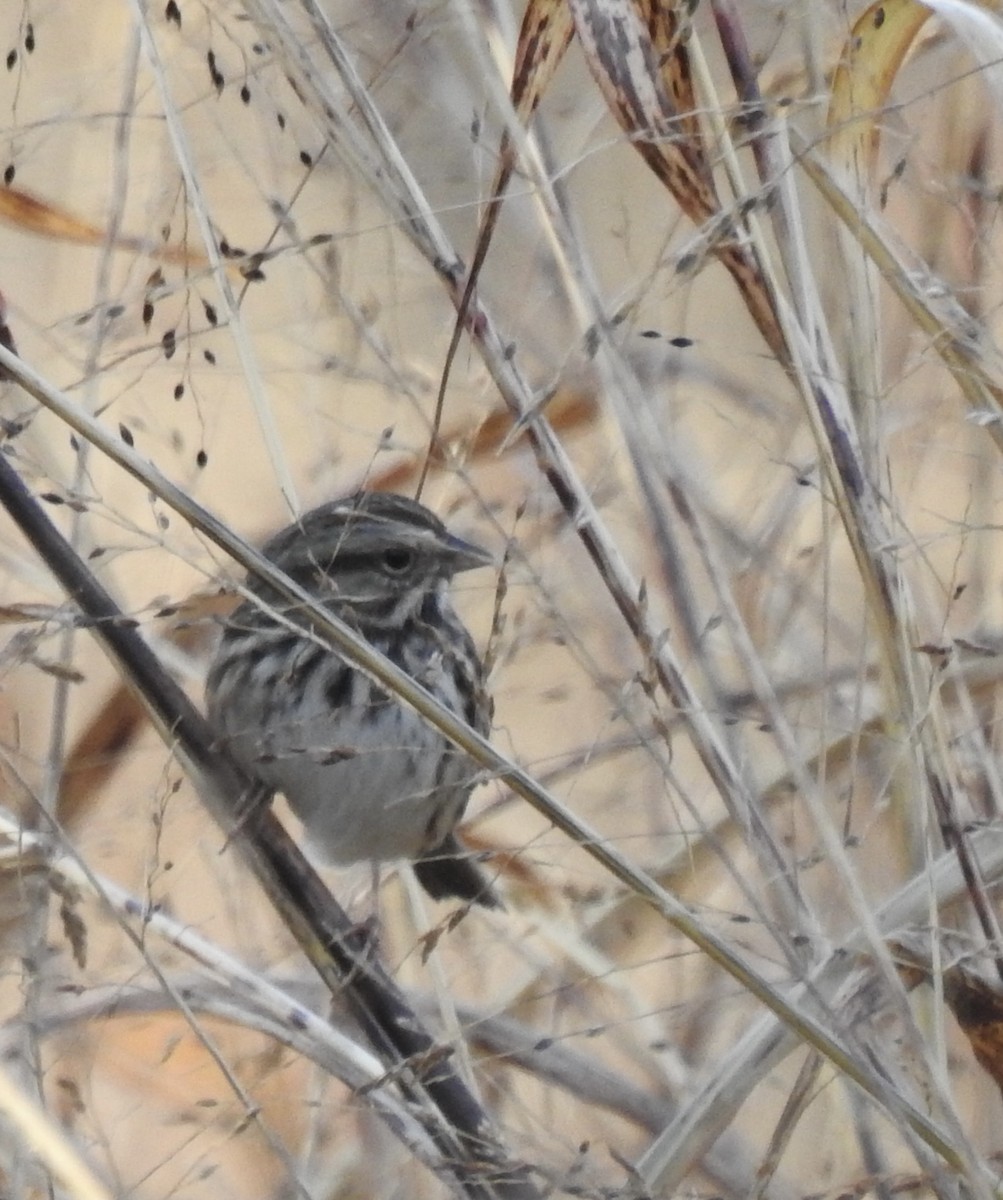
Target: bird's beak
465,556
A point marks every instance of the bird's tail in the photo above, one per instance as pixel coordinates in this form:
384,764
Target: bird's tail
448,870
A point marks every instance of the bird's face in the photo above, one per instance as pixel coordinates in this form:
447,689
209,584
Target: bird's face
377,556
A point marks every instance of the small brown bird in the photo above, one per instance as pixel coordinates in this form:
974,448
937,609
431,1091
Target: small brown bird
369,778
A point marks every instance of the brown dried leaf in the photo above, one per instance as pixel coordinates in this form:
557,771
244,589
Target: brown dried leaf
543,38
632,72
568,410
637,52
977,1005
35,215
978,1009
878,43
546,32
103,742
668,32
29,614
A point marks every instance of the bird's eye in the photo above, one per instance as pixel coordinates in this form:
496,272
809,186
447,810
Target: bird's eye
398,559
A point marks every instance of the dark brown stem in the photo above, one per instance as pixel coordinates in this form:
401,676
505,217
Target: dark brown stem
334,944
